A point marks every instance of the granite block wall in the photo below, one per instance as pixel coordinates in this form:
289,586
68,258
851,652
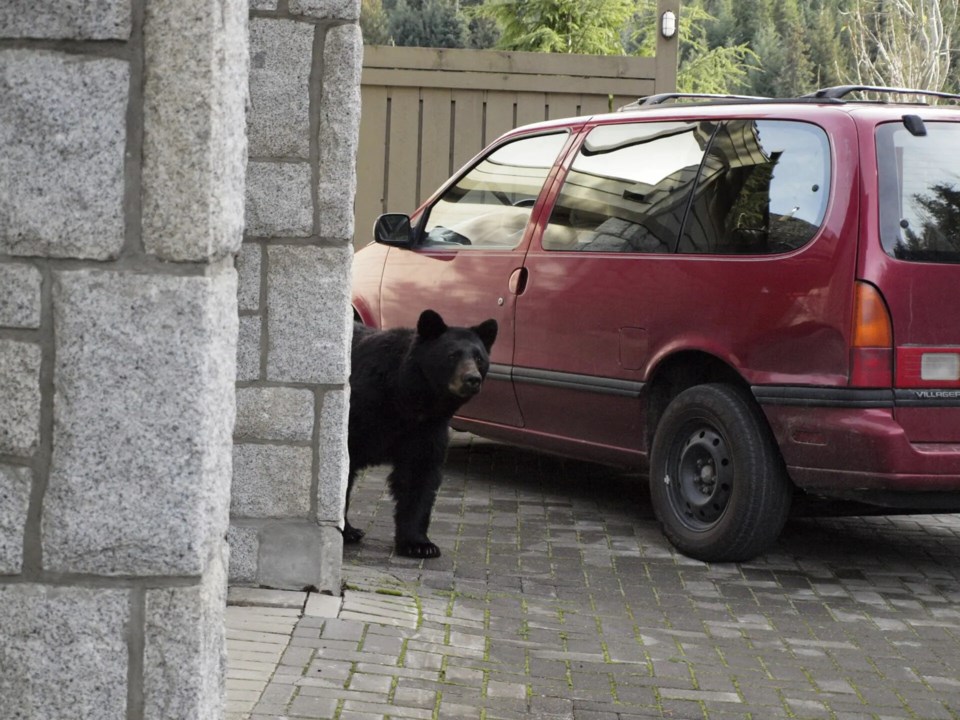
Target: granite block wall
125,186
122,171
289,456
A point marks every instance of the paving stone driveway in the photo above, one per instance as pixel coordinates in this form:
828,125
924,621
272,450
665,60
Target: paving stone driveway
557,597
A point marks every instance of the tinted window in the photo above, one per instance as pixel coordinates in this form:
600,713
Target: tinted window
763,189
627,188
490,205
920,192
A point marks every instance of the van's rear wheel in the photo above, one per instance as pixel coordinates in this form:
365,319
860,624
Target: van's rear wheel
717,483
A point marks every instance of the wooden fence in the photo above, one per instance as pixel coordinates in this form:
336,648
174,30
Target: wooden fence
427,111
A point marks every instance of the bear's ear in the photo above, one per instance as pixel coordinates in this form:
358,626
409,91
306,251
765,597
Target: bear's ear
430,325
487,332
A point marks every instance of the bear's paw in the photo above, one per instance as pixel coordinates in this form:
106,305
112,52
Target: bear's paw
418,549
352,535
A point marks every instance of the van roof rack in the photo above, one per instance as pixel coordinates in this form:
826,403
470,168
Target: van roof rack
840,91
661,98
835,94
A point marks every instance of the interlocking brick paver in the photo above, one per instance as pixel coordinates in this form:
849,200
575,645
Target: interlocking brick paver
257,639
557,597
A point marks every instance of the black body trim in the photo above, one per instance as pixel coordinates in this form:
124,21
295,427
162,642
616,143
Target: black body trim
576,381
796,395
822,396
855,397
497,371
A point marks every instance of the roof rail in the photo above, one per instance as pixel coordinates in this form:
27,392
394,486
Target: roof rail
840,91
661,98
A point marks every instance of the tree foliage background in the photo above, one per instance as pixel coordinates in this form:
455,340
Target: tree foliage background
777,48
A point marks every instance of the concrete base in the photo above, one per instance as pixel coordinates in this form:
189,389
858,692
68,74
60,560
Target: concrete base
286,555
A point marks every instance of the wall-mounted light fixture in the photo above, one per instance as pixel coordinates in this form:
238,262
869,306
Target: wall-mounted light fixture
668,24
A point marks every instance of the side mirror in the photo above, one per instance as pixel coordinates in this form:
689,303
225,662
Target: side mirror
393,229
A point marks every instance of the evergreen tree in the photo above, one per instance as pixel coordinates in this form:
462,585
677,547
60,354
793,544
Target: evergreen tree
828,58
722,29
702,68
796,72
482,32
589,27
427,23
751,17
374,23
769,47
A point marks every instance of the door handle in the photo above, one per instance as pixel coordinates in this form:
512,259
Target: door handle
518,281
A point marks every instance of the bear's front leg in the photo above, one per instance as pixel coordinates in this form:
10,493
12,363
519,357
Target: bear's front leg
414,496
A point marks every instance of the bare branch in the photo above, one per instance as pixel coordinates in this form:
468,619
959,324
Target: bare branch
904,43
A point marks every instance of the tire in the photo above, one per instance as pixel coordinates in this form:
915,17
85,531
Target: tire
717,483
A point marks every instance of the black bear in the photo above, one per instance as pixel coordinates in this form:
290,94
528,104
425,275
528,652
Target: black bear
405,385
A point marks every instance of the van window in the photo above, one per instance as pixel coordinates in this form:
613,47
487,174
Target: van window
627,188
920,192
763,189
491,204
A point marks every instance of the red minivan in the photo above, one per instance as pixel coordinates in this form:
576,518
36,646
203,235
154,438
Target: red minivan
747,298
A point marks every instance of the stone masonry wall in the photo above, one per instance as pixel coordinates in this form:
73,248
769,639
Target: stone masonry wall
122,166
289,457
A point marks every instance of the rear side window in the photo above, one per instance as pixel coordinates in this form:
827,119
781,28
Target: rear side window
763,189
920,192
627,189
489,206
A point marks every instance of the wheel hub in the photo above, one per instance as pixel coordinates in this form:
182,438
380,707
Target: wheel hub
703,487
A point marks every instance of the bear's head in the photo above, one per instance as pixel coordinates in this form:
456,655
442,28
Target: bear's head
454,360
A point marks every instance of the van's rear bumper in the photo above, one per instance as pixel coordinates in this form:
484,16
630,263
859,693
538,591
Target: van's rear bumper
838,449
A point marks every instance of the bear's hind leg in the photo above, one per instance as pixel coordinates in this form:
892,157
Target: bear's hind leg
351,534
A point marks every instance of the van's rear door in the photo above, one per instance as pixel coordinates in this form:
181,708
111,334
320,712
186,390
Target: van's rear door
912,255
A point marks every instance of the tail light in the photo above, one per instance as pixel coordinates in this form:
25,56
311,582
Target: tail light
871,351
919,367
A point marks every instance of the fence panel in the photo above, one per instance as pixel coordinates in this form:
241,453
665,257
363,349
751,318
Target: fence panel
467,127
371,165
436,149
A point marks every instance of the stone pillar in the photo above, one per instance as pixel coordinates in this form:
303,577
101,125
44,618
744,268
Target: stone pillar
290,458
122,165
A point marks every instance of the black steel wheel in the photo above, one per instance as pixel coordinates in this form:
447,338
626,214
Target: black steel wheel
717,482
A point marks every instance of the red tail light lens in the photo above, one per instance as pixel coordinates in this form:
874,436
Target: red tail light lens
871,351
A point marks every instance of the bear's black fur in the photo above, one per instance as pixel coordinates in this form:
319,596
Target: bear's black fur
405,385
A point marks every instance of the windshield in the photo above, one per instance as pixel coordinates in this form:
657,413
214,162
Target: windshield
919,181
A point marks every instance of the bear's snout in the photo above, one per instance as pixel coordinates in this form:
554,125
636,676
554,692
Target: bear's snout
466,380
472,382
